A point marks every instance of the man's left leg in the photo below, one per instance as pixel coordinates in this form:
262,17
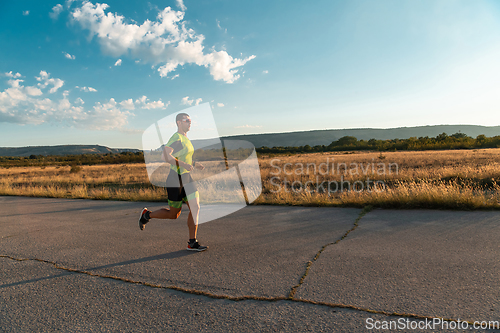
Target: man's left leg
193,202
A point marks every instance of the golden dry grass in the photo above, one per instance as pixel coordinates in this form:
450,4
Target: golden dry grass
458,179
119,182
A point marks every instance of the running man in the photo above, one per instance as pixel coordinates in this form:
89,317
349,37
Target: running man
180,186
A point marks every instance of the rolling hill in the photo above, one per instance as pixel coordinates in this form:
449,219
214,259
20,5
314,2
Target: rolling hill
60,150
311,138
325,137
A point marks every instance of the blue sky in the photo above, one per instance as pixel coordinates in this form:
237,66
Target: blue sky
76,72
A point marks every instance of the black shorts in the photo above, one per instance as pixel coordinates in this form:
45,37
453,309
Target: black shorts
180,188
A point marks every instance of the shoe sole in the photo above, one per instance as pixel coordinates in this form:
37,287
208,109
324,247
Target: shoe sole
142,226
197,250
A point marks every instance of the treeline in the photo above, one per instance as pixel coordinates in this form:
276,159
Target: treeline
346,143
113,158
349,143
218,154
83,159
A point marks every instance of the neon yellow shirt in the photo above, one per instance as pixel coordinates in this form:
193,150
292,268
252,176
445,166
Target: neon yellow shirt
183,151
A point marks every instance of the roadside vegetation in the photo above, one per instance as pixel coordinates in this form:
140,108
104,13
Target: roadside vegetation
83,159
450,179
410,173
349,143
346,143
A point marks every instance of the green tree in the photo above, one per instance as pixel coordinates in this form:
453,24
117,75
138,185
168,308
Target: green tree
347,141
441,137
459,135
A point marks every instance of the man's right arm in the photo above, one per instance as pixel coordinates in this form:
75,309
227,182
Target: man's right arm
169,158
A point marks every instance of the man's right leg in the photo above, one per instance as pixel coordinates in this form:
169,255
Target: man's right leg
166,213
175,195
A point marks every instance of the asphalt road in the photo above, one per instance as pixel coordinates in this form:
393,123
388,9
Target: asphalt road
82,265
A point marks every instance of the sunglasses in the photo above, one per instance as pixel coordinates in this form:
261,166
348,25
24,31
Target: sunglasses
186,120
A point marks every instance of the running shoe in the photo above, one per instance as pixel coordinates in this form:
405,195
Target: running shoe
143,220
195,246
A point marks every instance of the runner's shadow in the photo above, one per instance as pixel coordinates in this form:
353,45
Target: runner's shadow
165,256
34,280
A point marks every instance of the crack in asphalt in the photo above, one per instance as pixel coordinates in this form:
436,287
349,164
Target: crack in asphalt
363,212
290,297
246,297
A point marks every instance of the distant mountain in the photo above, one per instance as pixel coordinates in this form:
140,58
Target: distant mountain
293,139
325,137
61,150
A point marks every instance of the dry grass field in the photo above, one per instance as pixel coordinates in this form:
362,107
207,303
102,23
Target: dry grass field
456,179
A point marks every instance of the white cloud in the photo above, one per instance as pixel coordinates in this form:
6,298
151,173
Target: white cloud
223,65
86,89
56,10
128,104
180,4
106,116
165,42
265,72
14,76
45,81
26,12
118,62
141,100
218,25
15,83
33,91
144,103
220,105
35,105
16,93
69,56
175,76
187,101
155,105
